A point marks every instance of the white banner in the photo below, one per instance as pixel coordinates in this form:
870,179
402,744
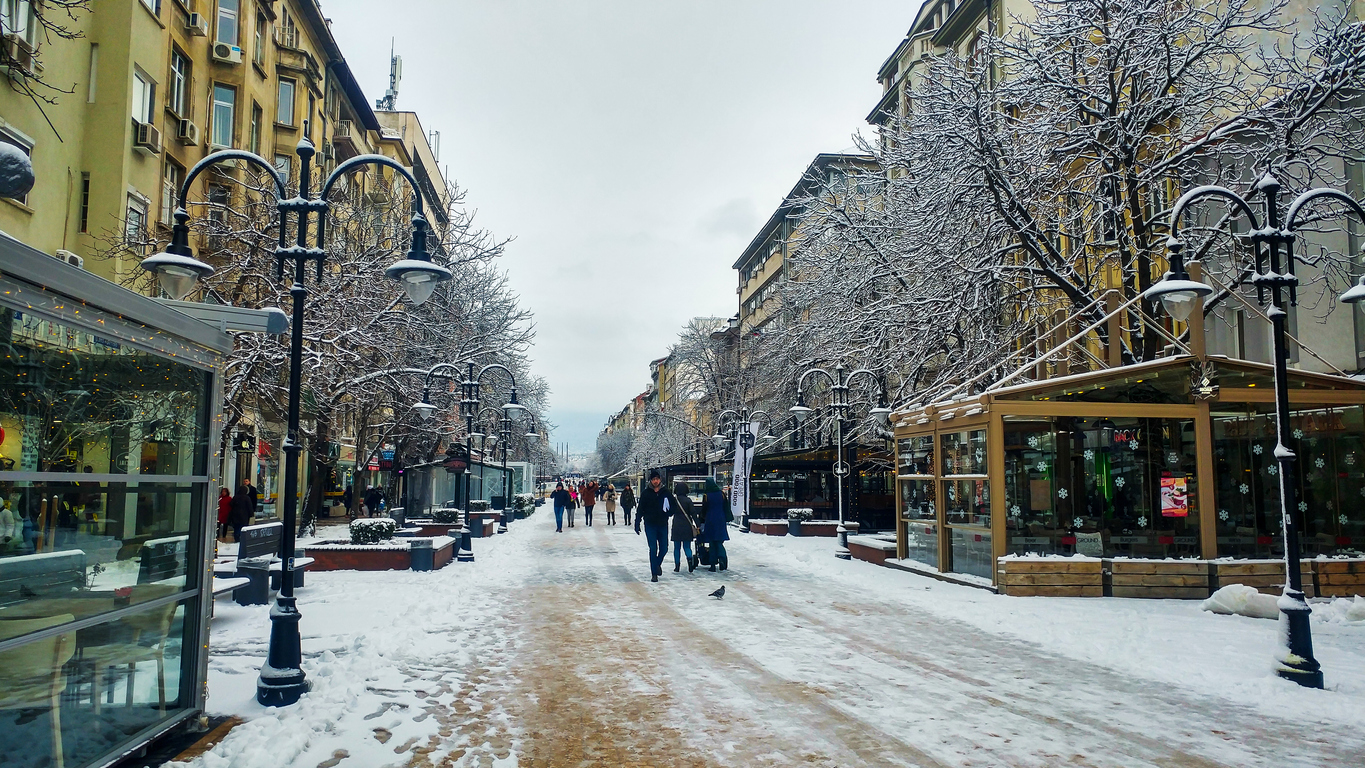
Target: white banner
744,462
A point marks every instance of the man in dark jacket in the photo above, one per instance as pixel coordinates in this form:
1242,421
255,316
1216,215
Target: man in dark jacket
627,501
240,515
561,499
656,505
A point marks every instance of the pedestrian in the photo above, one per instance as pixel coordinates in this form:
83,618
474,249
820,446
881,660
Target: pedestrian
240,515
589,497
684,528
627,501
609,500
715,530
347,496
656,505
572,505
560,498
255,497
224,509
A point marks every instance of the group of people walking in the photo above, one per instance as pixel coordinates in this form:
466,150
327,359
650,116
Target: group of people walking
236,511
661,514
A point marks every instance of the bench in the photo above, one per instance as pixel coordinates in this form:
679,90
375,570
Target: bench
871,549
160,559
258,560
43,575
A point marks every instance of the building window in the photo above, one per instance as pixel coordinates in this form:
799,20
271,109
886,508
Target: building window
18,18
227,21
135,225
256,118
284,112
179,96
283,166
258,52
170,191
85,202
224,110
219,199
144,97
26,147
154,6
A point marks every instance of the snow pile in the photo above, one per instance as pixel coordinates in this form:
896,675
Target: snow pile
373,530
1342,610
1241,600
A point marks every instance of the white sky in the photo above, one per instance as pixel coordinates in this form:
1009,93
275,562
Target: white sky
632,148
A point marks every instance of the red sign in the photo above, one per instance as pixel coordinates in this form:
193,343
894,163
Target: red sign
1175,497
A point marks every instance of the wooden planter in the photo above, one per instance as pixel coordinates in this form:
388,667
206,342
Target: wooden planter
1339,578
1050,577
768,527
1168,579
1265,575
819,528
871,550
343,556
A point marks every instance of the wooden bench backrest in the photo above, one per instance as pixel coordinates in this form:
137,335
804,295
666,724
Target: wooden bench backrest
44,575
162,558
260,541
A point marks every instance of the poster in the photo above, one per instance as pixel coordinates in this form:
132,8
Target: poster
1175,500
744,461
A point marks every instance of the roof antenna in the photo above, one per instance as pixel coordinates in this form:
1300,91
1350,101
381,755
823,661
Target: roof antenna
390,100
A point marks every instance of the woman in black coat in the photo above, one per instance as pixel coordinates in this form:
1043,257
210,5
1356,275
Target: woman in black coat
683,528
627,502
240,515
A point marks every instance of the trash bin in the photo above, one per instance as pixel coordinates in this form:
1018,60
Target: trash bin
257,592
423,556
498,502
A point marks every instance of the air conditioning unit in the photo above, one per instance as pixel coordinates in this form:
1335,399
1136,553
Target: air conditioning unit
327,152
146,138
230,54
70,258
18,52
187,132
198,26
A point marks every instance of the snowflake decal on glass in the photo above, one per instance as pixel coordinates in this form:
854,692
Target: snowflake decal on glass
1133,445
1042,466
979,454
1077,523
1298,434
1341,519
1062,493
1244,488
1303,506
1258,449
1089,454
1172,458
1033,442
1272,470
1119,482
1223,515
1319,462
1350,459
1014,510
1142,522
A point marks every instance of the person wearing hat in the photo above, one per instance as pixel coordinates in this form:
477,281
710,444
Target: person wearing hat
656,505
561,499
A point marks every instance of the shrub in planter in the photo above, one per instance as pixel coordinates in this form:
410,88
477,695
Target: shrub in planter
801,513
524,503
480,505
445,515
373,530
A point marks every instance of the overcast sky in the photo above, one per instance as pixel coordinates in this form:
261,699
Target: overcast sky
631,147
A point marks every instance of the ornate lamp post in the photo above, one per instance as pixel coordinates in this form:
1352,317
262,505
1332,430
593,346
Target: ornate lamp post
839,382
1275,283
282,680
745,439
469,406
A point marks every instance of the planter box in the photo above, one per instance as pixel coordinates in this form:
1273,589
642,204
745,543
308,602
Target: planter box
1050,576
828,528
1265,575
768,527
1165,579
871,549
483,523
1338,578
341,555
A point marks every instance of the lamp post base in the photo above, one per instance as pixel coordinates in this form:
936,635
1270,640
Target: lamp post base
466,552
744,523
1296,661
502,522
282,681
841,551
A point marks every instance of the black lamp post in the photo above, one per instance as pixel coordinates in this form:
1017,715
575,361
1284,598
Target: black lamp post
282,680
469,406
1275,283
839,382
744,437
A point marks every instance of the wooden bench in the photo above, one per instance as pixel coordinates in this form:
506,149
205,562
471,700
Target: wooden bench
258,558
1339,578
1265,575
1162,579
42,575
871,549
165,558
1050,577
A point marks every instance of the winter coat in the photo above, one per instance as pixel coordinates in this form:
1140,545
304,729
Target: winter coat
255,499
628,498
682,520
241,508
560,498
715,528
224,508
609,498
589,494
9,527
651,505
373,497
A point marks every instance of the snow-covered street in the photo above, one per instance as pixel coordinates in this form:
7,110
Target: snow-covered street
555,650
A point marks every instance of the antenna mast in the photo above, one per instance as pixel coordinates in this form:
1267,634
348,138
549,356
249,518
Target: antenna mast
390,100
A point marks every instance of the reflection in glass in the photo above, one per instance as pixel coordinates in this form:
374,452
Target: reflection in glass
917,499
922,542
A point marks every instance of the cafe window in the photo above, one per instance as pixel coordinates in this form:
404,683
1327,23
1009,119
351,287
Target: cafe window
966,495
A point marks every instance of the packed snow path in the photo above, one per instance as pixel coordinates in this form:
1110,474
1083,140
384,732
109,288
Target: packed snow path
556,650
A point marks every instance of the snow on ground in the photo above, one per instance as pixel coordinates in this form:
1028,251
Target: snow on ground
554,649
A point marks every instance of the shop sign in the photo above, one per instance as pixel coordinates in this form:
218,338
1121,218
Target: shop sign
1175,499
347,454
244,443
386,460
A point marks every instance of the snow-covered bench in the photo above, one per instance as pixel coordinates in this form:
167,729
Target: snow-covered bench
258,558
871,548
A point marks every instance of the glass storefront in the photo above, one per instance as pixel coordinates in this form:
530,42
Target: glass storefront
918,507
104,480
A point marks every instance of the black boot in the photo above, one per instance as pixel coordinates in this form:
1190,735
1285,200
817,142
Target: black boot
724,562
676,566
654,577
691,563
713,567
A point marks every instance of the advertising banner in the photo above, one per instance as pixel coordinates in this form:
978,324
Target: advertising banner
1175,499
744,462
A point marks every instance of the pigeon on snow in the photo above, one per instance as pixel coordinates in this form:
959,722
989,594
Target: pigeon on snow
719,594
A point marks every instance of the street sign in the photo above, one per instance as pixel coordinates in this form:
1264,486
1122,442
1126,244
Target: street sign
746,440
841,468
386,460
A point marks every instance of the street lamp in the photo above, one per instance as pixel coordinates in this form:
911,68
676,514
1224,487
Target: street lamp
469,406
1275,282
839,382
281,680
744,445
